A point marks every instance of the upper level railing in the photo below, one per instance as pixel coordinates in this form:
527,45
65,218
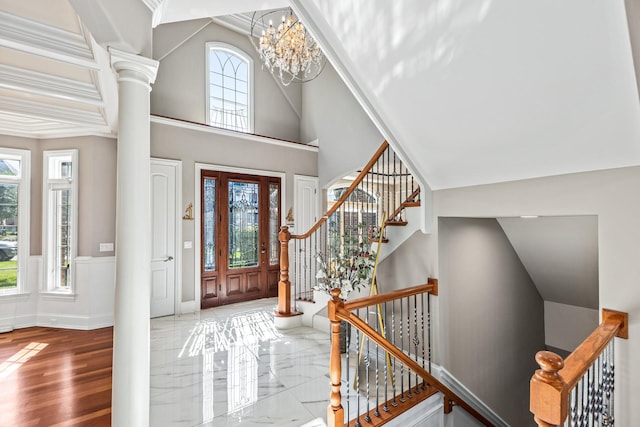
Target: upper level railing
578,391
387,360
383,186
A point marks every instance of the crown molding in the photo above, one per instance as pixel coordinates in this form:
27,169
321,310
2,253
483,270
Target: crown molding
238,22
37,83
44,40
157,9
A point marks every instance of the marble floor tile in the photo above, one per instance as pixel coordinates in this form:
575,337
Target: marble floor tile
229,366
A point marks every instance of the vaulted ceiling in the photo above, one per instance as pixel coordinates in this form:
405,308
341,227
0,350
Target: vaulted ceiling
469,92
490,90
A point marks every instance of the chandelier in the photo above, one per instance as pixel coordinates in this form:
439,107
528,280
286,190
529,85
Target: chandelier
288,51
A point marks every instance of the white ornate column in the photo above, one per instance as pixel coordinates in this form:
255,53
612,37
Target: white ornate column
131,371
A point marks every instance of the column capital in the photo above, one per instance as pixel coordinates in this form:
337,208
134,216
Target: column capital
121,60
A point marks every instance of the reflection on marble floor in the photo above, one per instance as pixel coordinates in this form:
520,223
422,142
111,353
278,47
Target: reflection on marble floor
229,366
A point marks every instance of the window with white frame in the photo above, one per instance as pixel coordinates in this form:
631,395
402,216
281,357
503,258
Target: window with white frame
60,219
229,87
14,219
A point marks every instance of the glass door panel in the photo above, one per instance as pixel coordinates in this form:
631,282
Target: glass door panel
274,222
209,224
243,224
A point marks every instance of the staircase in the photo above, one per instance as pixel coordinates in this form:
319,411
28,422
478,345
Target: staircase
381,369
392,368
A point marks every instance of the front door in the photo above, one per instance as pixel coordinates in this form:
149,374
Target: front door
239,234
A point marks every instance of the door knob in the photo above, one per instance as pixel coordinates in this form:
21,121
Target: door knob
169,258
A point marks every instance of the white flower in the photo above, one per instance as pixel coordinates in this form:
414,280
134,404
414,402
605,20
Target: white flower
348,273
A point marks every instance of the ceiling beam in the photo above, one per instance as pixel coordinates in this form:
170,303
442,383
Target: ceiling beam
44,40
42,84
55,113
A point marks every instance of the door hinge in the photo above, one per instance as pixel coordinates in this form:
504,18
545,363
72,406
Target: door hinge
219,286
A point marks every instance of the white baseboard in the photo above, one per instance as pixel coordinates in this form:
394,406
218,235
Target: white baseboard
100,321
188,307
429,413
21,321
70,321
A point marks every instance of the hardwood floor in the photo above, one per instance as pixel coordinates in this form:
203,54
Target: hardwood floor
55,377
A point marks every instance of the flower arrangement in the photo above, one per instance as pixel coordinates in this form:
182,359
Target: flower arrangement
347,273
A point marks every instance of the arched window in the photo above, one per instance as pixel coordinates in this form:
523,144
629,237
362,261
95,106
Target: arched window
229,87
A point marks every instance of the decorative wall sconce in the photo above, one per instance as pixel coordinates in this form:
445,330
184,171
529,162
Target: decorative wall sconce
188,213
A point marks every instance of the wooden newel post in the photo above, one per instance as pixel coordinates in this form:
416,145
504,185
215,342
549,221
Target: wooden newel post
549,397
284,286
335,412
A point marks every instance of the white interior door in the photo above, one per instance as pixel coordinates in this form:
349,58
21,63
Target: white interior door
305,203
163,237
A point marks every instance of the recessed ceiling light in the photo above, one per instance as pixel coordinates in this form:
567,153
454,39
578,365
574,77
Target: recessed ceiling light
528,216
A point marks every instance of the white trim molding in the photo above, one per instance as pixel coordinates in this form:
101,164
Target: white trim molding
43,84
44,40
467,395
22,107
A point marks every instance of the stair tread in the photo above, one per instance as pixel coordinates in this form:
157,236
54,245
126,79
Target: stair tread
400,223
376,240
411,204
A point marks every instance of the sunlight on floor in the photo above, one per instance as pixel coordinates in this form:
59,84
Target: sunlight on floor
20,358
244,328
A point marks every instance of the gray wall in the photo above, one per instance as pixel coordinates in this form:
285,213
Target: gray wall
346,137
494,315
96,189
180,87
613,196
193,146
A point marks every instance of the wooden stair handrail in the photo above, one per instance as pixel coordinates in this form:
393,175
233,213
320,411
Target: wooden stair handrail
363,173
551,385
338,311
355,304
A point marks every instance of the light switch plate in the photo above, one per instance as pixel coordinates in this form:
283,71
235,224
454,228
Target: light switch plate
106,247
188,244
